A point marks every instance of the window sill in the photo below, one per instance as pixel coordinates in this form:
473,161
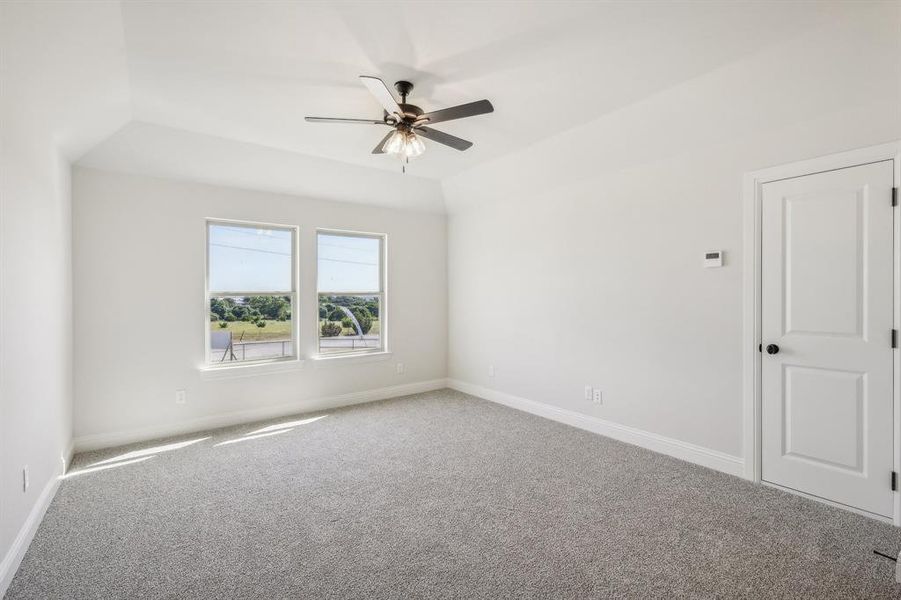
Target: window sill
250,370
343,359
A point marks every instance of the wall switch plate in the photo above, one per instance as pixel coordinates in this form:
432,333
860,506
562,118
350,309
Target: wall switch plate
588,392
597,396
490,370
181,396
25,481
399,367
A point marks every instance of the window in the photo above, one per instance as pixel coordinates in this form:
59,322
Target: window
251,292
351,283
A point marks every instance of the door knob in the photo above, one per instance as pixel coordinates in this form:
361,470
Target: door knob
772,349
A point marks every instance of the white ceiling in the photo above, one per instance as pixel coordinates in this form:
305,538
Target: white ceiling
249,72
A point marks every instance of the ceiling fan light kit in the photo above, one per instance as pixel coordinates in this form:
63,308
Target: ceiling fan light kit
404,144
408,121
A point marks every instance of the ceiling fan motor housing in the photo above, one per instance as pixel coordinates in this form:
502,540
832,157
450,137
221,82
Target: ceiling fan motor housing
411,110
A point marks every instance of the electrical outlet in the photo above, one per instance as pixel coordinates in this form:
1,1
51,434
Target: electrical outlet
588,393
597,396
25,481
181,396
399,367
490,370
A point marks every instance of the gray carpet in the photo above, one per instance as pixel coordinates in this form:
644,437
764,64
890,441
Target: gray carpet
437,495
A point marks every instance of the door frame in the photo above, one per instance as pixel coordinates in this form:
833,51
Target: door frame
751,300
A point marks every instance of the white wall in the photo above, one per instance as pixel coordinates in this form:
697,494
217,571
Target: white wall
62,88
139,260
578,260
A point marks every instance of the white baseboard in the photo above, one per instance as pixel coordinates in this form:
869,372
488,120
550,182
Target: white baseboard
67,456
705,457
16,552
97,441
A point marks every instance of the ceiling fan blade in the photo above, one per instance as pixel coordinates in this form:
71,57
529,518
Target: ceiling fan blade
381,92
379,149
443,138
339,120
479,107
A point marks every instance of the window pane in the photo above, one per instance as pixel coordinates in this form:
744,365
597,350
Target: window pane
250,328
349,324
349,263
249,259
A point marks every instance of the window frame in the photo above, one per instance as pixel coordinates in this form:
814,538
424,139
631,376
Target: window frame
292,294
382,294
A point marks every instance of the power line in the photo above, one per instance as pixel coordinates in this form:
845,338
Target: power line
250,249
347,247
350,262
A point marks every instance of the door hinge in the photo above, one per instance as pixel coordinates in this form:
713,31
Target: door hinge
894,338
894,481
894,196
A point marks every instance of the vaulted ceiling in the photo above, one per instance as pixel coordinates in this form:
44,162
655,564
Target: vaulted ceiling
242,75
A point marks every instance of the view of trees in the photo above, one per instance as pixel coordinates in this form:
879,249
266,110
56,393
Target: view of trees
253,309
258,310
334,320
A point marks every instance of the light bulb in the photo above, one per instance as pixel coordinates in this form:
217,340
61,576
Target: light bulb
396,143
414,147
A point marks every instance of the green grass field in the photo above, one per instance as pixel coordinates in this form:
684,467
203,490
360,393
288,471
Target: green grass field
274,330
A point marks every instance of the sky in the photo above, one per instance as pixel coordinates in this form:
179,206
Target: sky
348,263
247,259
250,259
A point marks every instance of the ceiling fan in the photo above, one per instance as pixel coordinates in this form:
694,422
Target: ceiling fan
409,122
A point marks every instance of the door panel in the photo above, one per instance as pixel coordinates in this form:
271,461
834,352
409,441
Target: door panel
826,298
824,417
823,244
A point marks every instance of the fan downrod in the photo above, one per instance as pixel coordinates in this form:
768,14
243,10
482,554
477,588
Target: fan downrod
403,88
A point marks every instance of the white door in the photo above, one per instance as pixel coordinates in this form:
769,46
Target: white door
826,299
